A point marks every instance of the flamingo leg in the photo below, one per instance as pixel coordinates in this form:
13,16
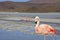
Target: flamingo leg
44,37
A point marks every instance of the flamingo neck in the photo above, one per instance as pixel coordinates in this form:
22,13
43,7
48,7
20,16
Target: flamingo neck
37,25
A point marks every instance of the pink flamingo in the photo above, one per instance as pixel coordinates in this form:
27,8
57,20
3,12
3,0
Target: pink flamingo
43,28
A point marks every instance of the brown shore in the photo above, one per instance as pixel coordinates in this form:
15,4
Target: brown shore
28,7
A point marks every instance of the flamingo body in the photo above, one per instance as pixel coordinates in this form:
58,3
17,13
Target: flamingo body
44,29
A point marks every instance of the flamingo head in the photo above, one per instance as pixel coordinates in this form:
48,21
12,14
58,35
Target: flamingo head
37,19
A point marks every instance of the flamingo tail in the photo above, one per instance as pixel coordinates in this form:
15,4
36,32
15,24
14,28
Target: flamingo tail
51,30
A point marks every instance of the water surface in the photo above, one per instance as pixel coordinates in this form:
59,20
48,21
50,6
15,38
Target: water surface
22,30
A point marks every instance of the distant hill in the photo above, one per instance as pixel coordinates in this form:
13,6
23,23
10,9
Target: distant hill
9,6
44,1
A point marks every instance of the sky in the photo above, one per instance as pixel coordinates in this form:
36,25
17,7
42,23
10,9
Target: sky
15,0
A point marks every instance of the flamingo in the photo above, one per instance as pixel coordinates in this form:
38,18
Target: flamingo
43,29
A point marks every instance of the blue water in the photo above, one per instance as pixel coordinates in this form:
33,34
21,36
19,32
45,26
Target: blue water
41,15
17,35
26,29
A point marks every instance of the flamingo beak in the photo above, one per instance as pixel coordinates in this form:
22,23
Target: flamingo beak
36,22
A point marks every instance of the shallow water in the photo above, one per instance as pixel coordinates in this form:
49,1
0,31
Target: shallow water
22,30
